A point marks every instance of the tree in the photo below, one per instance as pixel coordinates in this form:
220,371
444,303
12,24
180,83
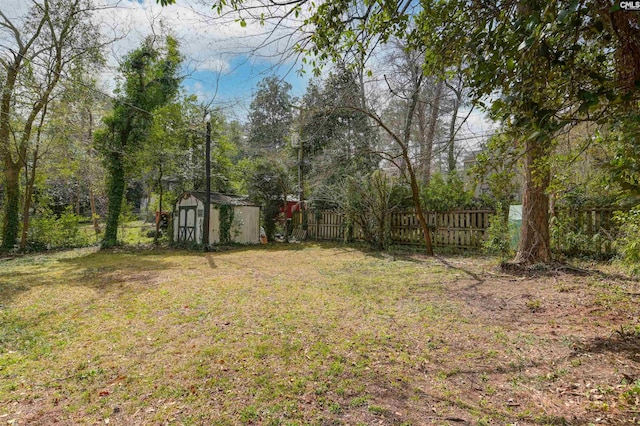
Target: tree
269,183
60,152
270,117
554,66
42,47
404,66
337,141
148,81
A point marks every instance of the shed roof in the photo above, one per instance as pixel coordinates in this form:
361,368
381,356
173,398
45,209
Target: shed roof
223,199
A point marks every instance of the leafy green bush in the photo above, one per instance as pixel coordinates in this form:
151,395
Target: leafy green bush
47,231
628,242
498,241
571,236
446,193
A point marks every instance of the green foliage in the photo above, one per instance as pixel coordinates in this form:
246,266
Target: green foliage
270,116
336,137
367,202
268,183
63,39
624,166
498,239
628,243
496,166
47,231
126,216
570,235
226,222
446,192
149,79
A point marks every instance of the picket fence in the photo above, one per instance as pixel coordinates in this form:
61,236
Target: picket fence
461,229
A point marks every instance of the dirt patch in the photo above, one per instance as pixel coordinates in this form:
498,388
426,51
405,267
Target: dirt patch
572,337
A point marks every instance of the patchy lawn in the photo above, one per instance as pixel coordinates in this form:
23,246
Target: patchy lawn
311,334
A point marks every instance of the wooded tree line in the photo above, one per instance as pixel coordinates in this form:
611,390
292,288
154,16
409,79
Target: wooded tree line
542,68
399,80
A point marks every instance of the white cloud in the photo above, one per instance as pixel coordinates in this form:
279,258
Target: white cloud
218,51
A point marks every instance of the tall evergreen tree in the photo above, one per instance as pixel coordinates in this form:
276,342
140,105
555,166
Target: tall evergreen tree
336,136
270,117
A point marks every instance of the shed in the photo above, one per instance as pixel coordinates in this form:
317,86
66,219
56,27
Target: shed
515,224
232,219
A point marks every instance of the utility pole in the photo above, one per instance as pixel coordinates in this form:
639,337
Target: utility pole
207,207
300,184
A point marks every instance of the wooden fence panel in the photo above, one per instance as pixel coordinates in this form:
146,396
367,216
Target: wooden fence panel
586,222
463,229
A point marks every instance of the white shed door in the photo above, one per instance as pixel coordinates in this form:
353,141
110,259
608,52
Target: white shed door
187,224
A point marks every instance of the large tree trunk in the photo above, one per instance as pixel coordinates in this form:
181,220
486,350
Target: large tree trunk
11,204
30,180
534,244
116,196
11,223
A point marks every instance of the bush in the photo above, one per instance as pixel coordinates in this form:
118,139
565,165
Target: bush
446,193
628,243
572,237
367,202
47,231
498,241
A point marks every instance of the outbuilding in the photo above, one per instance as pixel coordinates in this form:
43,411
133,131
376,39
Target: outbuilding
233,219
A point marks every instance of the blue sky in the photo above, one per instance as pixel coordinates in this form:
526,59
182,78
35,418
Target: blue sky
234,88
222,58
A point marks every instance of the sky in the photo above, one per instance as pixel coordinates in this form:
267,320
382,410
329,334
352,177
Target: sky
224,61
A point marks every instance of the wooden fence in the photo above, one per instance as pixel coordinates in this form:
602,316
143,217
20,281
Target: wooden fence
587,230
462,229
588,220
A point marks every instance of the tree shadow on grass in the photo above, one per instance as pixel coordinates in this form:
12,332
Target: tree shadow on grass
109,269
99,270
622,342
456,409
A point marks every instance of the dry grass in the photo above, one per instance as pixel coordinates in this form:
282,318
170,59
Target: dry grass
308,334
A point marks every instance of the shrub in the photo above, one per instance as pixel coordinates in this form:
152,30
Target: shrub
446,193
47,231
367,202
628,242
498,241
572,237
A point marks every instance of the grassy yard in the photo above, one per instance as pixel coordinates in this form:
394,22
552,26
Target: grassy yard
311,334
